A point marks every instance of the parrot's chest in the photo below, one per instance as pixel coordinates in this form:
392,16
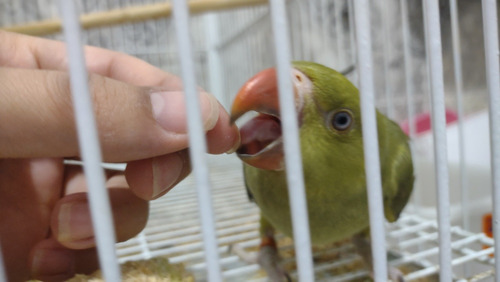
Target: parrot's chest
337,209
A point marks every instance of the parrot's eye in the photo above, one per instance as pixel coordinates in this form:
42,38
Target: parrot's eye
341,120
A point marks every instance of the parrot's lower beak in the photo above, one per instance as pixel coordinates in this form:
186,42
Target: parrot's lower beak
261,140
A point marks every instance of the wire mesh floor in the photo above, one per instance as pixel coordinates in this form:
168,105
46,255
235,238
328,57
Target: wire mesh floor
173,231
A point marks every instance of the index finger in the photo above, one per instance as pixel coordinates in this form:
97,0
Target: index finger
31,52
22,51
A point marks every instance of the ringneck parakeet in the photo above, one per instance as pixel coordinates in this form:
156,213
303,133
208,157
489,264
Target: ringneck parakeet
328,107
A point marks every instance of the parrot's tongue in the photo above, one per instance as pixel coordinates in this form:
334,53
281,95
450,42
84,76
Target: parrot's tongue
259,132
261,144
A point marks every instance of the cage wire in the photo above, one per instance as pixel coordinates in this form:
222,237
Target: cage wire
88,139
230,44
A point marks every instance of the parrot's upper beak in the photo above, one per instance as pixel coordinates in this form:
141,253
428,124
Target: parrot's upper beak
259,94
261,140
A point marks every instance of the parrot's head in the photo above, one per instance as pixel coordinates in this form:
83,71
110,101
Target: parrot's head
327,106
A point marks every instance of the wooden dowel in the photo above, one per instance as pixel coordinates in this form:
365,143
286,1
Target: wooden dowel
130,15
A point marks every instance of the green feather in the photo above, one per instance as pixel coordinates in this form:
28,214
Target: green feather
333,165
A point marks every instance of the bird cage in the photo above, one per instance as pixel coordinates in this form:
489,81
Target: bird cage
428,65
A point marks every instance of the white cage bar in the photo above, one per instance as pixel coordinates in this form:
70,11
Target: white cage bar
370,139
433,47
490,23
89,144
409,87
389,95
457,72
293,160
198,147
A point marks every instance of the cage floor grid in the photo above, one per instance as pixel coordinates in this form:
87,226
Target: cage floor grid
173,231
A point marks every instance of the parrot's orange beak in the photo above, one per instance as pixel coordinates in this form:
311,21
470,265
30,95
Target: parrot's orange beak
261,140
259,94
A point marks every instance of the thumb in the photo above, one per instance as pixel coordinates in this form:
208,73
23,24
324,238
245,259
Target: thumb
37,118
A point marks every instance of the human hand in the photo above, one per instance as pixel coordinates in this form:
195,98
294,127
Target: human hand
45,225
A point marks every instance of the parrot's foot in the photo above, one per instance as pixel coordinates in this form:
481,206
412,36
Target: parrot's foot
395,275
362,243
269,260
243,255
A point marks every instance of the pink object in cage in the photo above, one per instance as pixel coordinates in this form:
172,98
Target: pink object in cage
423,122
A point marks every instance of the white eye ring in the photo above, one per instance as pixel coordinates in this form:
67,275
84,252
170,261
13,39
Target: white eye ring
341,120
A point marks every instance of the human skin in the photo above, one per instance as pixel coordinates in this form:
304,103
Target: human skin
45,226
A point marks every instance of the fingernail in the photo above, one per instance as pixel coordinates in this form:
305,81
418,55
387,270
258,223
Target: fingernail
169,110
52,264
236,145
74,225
166,171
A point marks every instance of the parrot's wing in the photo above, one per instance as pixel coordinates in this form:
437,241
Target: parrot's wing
249,193
398,176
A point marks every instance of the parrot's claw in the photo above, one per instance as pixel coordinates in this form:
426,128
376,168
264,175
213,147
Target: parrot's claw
269,260
395,274
363,247
243,255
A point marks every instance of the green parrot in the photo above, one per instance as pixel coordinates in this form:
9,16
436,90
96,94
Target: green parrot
328,107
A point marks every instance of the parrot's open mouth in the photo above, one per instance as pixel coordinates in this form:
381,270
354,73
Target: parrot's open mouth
261,139
261,133
261,142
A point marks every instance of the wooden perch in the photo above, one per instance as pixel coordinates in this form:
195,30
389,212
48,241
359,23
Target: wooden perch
130,15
